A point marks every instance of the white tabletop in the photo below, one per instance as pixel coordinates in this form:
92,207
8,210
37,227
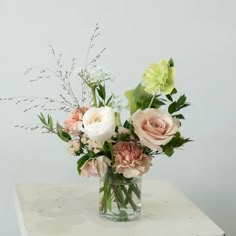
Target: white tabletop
72,210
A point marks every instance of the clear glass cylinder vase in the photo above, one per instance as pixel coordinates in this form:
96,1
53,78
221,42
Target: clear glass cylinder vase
120,198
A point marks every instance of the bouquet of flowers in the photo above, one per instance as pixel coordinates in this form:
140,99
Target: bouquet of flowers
117,150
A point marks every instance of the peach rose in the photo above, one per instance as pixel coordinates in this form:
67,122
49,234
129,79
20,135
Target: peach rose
130,160
154,127
74,121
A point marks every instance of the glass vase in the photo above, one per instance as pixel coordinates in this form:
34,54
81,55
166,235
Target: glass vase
120,198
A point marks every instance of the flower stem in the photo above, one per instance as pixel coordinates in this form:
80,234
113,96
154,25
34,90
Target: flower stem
135,189
129,198
94,97
150,104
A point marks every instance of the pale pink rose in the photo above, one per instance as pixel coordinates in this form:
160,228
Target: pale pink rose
73,146
74,121
154,127
96,167
130,160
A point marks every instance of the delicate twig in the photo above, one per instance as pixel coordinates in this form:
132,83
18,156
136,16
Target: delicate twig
42,73
94,35
30,127
30,99
94,60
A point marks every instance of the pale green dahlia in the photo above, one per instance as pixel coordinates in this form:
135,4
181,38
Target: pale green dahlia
159,78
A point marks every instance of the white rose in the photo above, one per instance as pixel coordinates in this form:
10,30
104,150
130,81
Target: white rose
154,127
99,123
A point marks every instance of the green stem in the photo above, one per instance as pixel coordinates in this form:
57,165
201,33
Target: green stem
130,194
129,198
107,194
150,104
119,195
136,190
94,97
111,150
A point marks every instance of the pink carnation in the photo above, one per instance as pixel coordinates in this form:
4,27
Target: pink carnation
73,123
130,160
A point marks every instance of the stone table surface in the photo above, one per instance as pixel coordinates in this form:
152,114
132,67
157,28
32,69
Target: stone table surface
72,210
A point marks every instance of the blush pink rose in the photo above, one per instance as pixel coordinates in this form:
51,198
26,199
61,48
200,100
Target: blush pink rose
154,127
96,167
130,160
73,123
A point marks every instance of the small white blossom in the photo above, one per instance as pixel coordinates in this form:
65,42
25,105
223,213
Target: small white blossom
73,147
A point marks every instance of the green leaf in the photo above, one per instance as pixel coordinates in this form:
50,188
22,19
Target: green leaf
100,103
117,119
156,103
185,105
179,116
126,124
62,134
131,101
172,107
177,135
171,62
174,91
169,97
81,162
101,91
187,140
168,151
109,99
42,118
139,99
181,101
50,122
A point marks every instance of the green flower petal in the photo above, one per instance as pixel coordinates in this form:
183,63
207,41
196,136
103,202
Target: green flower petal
159,78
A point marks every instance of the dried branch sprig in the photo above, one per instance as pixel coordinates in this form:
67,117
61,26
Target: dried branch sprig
94,36
94,60
43,73
30,127
65,106
65,76
91,43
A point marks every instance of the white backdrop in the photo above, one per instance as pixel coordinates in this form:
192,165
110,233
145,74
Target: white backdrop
199,35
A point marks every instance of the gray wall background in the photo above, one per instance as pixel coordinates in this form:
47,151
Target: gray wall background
199,35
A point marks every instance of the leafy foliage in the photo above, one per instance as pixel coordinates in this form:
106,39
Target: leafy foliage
177,105
177,141
171,62
49,126
62,134
138,98
83,159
